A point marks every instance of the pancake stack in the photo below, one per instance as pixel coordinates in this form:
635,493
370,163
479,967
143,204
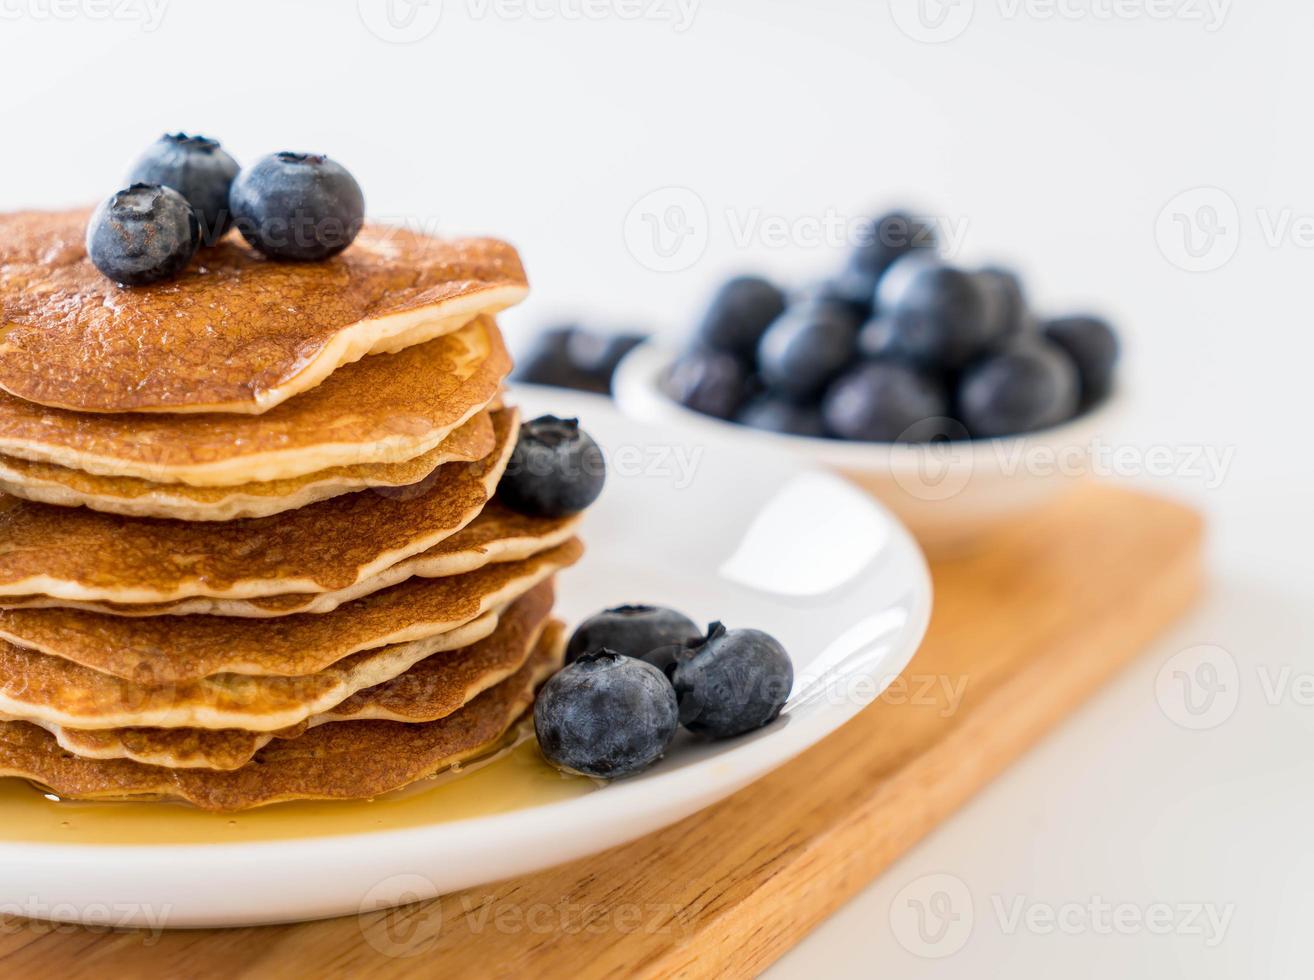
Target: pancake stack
250,548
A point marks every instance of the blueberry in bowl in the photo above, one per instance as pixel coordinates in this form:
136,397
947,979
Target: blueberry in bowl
301,207
939,318
142,235
775,414
1093,347
708,381
739,314
885,401
914,401
1005,305
888,238
806,348
199,169
1030,385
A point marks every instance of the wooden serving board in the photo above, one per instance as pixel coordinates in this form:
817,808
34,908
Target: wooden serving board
1031,623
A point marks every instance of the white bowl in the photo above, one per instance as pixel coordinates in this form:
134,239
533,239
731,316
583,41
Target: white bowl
948,493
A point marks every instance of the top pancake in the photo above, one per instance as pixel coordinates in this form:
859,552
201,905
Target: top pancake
237,332
379,410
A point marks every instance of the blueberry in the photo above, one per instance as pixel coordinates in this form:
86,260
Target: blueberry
597,355
889,237
852,289
548,362
633,631
605,715
1093,345
297,206
876,338
780,415
199,170
1029,385
891,286
885,401
739,314
806,348
708,381
734,682
142,235
556,469
1005,305
938,315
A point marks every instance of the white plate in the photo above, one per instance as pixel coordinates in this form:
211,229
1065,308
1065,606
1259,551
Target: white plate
748,536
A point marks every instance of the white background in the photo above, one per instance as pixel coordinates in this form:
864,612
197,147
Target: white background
1057,136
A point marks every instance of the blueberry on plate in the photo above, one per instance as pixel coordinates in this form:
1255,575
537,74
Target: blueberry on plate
708,381
939,317
734,682
605,715
1005,305
806,348
633,631
889,237
781,415
555,470
1093,346
143,235
1030,385
886,401
297,206
739,314
200,170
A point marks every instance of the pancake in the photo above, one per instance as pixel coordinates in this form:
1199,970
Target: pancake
498,534
38,688
236,332
42,689
383,409
50,484
178,650
432,689
75,553
344,761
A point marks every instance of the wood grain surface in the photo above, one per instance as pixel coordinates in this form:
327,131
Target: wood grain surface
1024,629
